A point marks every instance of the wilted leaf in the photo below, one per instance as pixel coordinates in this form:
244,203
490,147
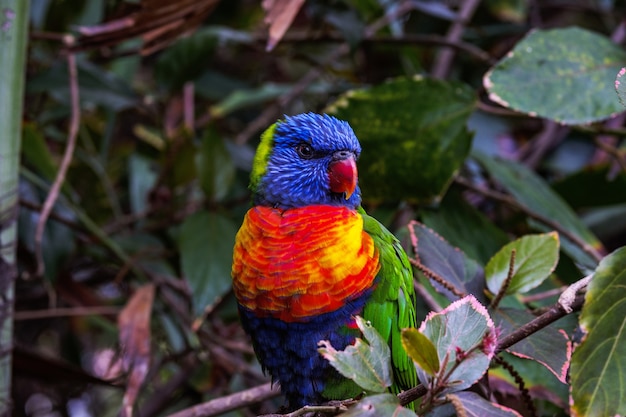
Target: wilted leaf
432,251
377,406
368,365
465,338
598,374
549,346
413,135
206,246
562,74
532,191
134,324
535,258
279,15
421,350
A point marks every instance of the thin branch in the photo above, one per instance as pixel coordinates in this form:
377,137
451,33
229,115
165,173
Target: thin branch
230,402
444,59
520,385
66,312
68,40
505,198
506,283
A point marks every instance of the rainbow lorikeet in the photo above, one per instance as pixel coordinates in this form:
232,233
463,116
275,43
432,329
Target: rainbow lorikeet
307,259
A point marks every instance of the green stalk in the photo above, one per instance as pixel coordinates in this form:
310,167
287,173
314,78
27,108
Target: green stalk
13,41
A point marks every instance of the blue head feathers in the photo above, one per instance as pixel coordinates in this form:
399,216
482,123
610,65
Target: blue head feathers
293,165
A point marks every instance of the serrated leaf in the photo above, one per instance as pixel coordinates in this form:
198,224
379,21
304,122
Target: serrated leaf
465,338
620,86
421,350
473,405
448,262
368,365
546,72
206,247
532,191
377,406
598,371
549,346
413,135
535,258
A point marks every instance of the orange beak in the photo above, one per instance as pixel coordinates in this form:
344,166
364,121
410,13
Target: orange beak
342,175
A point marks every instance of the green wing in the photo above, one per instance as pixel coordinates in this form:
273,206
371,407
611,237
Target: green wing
392,306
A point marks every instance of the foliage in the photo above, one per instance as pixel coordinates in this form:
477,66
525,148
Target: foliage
123,291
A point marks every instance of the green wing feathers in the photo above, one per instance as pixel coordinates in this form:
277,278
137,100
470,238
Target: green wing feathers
392,306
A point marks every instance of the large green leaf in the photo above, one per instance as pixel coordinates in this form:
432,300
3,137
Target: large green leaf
413,135
532,191
598,371
368,365
592,187
567,75
535,258
206,246
460,223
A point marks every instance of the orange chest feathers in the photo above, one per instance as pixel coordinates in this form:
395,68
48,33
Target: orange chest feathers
298,263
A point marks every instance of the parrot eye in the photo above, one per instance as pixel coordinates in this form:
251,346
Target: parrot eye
305,151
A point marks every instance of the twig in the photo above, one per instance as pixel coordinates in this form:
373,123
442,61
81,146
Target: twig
520,384
68,40
66,312
271,112
230,402
568,297
494,195
444,59
506,283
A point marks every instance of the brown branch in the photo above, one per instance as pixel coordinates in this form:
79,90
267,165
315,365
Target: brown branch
67,158
66,312
506,283
444,59
230,402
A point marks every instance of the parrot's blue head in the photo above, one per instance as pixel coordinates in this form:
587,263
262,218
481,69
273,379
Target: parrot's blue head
304,160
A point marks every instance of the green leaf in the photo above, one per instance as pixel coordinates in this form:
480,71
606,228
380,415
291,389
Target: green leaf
35,152
459,223
368,365
592,187
620,86
473,405
549,346
531,191
432,251
421,350
598,372
536,257
377,406
547,71
142,178
413,135
465,338
206,246
215,166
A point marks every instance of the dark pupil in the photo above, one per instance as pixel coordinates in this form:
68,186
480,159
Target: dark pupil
305,151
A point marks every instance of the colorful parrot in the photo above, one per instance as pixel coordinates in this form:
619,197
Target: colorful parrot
307,259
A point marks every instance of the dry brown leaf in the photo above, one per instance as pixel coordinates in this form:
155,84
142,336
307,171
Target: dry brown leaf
279,16
134,324
158,22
